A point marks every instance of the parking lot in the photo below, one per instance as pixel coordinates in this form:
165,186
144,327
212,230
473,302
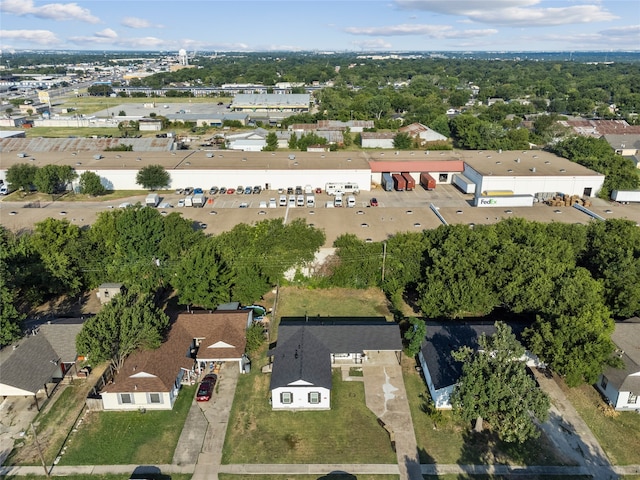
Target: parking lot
396,212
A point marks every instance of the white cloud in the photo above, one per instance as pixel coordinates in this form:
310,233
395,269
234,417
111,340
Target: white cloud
50,11
107,33
513,12
623,37
39,37
135,22
432,31
373,44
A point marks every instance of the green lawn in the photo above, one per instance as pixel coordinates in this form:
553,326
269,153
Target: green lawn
348,433
448,440
19,196
112,438
336,302
609,430
65,132
454,476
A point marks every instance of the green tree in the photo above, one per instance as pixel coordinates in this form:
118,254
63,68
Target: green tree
255,337
10,316
57,243
272,142
402,141
125,324
153,177
90,184
495,386
100,90
53,178
202,277
21,175
414,336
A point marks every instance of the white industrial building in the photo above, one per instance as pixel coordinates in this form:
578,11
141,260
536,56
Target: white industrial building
509,173
529,172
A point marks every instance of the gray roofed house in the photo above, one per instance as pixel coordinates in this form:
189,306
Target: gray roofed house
28,366
441,371
627,144
621,386
307,349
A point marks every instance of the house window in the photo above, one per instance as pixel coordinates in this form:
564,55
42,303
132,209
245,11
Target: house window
633,398
286,397
155,398
604,382
314,397
126,398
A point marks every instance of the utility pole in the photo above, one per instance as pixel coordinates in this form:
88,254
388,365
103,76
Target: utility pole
35,439
384,257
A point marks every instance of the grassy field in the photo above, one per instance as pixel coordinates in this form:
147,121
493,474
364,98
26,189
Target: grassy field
335,302
112,438
66,132
348,433
609,429
448,440
19,196
453,476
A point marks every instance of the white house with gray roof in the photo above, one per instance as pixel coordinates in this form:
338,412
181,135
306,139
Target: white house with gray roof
621,386
308,349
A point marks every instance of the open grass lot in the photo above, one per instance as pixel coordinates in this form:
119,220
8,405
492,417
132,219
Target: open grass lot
451,441
112,438
19,196
65,132
348,433
619,435
335,302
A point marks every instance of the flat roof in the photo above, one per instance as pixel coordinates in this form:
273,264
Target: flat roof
519,163
195,160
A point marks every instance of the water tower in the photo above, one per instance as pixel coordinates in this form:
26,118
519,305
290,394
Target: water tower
183,58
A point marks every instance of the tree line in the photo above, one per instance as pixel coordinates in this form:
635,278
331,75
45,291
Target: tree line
148,253
567,281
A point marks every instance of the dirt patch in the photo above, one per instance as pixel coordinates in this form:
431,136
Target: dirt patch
54,422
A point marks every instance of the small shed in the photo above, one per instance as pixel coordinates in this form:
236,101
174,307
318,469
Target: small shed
106,291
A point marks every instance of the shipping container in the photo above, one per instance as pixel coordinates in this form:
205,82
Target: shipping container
505,201
625,196
387,182
427,181
399,183
410,183
497,193
463,183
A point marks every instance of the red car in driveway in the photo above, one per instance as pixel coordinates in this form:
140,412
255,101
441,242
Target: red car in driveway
373,202
206,388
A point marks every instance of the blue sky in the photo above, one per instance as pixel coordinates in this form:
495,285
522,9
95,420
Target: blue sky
325,25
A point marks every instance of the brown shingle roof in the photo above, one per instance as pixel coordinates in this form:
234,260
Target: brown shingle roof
156,370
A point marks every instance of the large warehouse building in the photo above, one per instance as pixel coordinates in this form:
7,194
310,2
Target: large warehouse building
524,173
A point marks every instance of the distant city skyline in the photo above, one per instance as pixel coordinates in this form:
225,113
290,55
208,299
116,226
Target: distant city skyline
321,25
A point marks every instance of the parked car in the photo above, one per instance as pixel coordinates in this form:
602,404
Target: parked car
318,190
290,191
213,190
257,189
298,190
206,388
188,191
240,190
197,191
231,191
280,191
179,191
373,202
248,190
222,190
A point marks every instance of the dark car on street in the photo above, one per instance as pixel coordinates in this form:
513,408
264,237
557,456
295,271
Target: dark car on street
206,388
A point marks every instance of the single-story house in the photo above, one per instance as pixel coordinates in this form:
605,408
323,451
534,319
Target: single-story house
424,133
441,371
622,386
39,360
627,144
307,349
151,379
377,139
106,291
